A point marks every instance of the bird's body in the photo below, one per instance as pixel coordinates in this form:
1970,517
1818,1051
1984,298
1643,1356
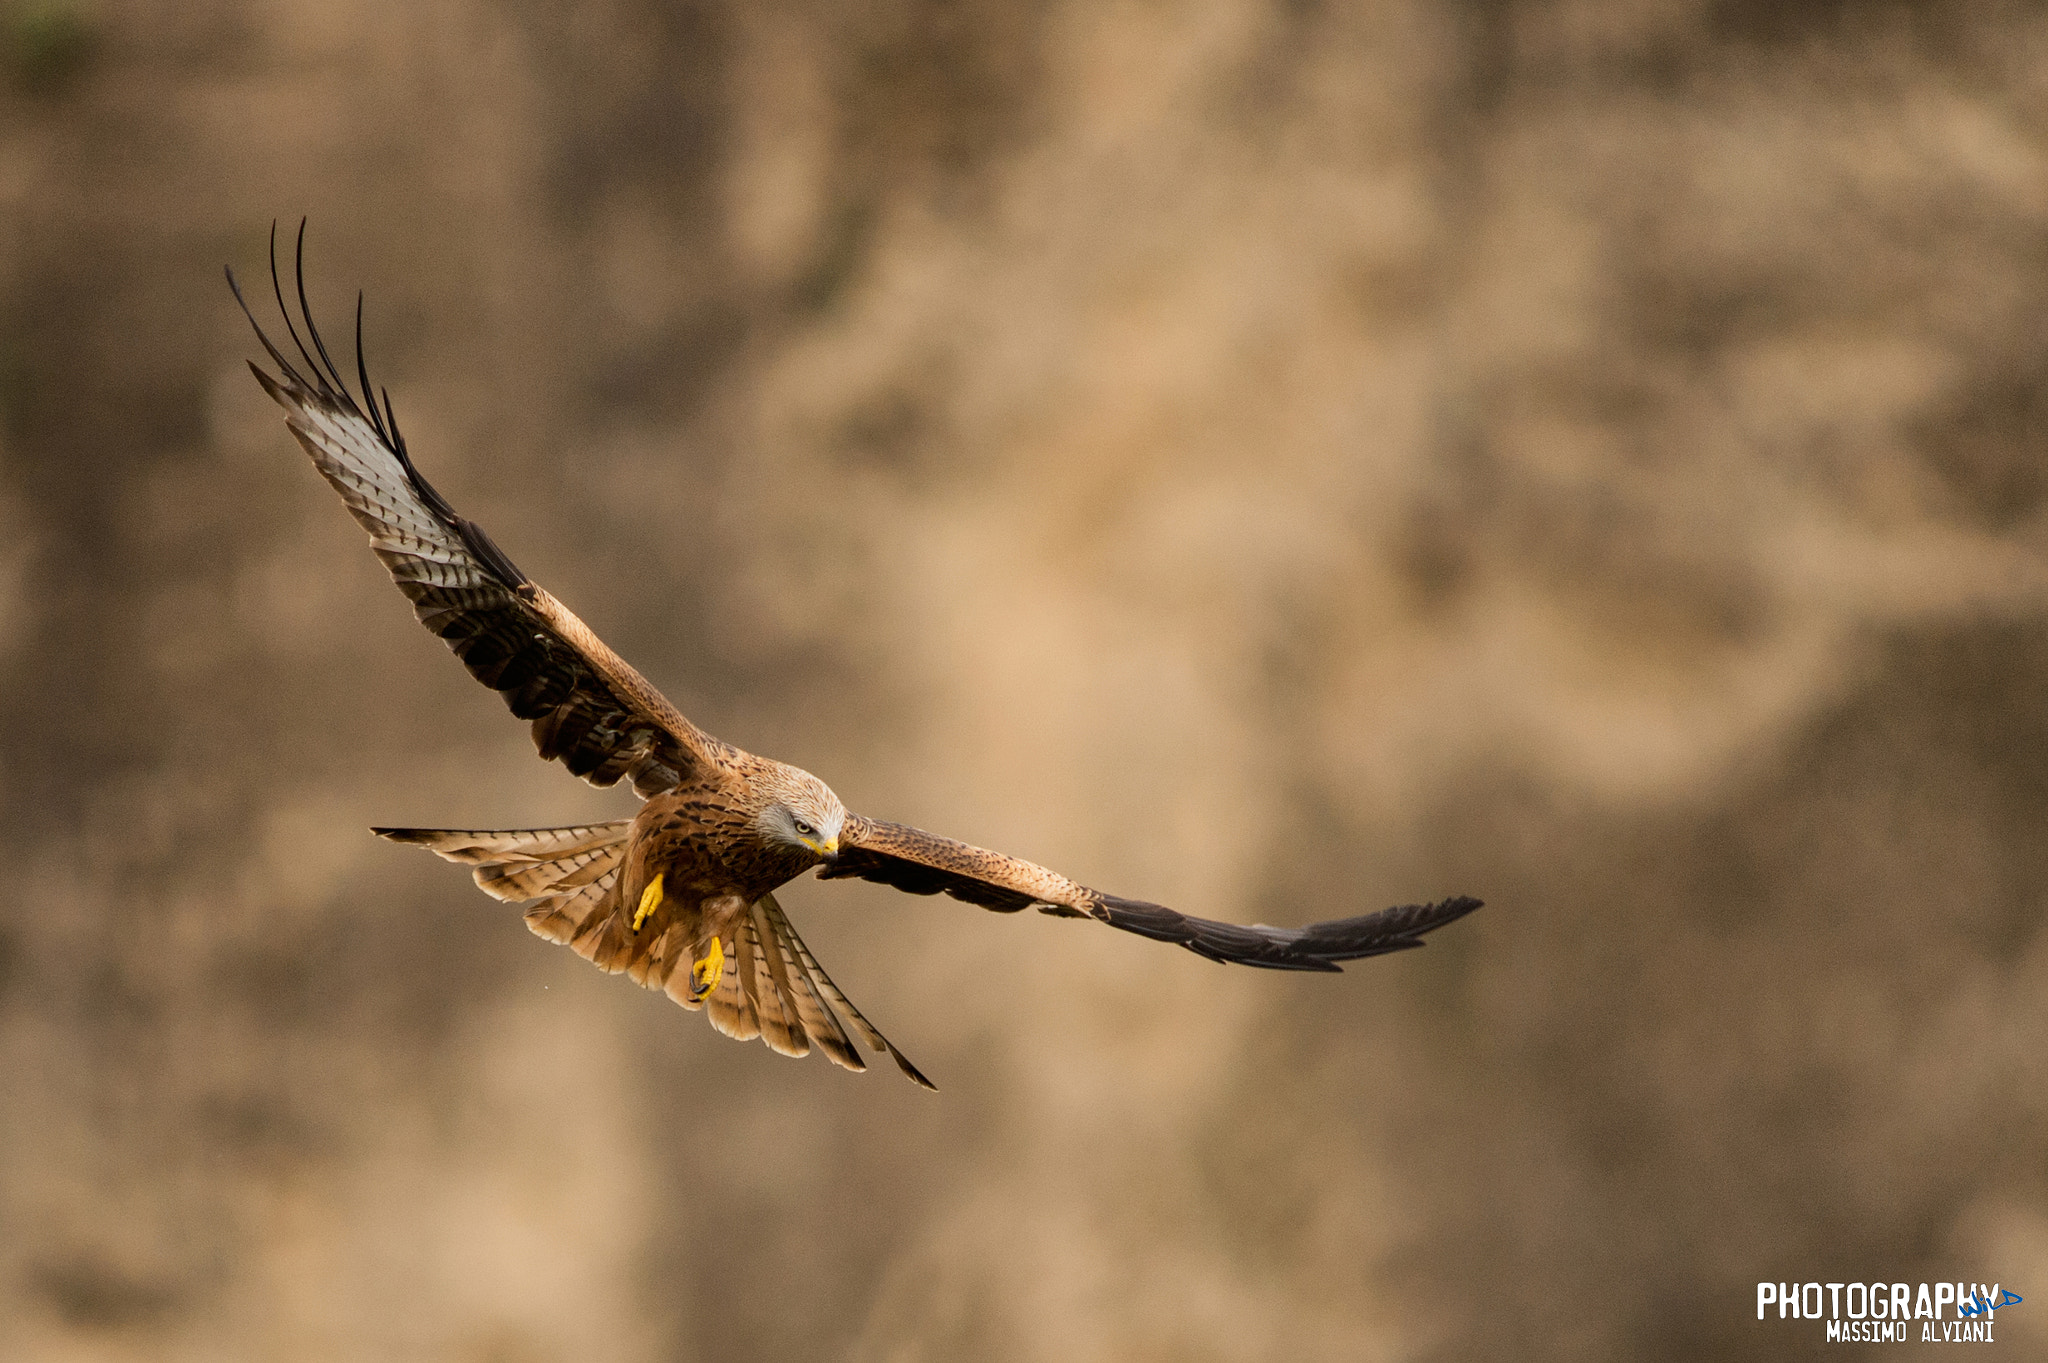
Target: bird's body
681,896
697,834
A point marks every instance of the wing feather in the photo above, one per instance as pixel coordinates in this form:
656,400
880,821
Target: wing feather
913,860
589,708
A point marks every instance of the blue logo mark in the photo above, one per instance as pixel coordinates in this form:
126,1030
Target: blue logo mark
1978,1305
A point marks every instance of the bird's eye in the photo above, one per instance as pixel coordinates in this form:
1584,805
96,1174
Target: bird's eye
804,828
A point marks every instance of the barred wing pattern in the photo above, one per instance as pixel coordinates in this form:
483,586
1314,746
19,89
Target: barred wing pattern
918,862
588,706
606,723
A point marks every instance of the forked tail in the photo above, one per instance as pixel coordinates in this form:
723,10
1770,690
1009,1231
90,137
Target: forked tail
771,987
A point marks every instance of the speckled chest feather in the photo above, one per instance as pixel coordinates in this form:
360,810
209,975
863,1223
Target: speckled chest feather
703,846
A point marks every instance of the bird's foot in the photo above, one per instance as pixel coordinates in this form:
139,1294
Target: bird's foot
705,974
650,900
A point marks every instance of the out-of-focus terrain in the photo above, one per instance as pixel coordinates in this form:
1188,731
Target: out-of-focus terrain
1275,459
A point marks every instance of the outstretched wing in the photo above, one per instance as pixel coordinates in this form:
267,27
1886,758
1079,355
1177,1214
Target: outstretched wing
588,706
925,863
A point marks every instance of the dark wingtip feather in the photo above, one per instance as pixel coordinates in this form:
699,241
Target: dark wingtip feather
276,356
1309,965
326,382
319,383
363,377
330,374
1375,934
1318,947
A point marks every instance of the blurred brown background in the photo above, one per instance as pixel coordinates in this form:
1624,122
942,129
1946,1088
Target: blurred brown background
1280,459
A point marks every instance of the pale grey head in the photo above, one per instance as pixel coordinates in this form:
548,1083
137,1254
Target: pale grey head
801,811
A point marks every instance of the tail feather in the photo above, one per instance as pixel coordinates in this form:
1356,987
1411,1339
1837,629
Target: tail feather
563,918
775,997
772,987
655,967
731,1005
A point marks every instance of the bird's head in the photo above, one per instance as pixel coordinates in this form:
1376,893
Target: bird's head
802,812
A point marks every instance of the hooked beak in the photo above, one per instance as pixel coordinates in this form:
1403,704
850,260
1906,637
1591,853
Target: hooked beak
829,849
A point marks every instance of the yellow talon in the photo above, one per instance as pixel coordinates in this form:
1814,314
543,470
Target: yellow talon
650,900
707,972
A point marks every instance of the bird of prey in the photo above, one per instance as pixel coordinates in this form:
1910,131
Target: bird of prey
681,897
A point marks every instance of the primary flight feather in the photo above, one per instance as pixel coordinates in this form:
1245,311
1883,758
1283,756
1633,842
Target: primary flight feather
681,896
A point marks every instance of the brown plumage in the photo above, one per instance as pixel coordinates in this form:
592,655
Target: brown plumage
681,896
